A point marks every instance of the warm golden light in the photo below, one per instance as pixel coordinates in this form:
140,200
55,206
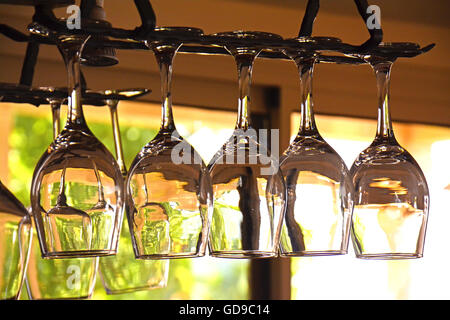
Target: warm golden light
345,277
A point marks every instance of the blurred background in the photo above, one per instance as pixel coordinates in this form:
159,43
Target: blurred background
205,96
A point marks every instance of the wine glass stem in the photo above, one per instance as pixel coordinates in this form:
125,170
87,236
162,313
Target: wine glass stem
62,200
307,121
112,104
71,50
101,194
244,62
145,188
384,127
56,110
164,57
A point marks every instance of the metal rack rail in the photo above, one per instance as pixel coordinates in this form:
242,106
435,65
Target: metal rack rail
47,28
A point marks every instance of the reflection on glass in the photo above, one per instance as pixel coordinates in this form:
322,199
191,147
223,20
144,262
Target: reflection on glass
15,242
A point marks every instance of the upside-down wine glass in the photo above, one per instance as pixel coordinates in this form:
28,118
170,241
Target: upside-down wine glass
391,192
15,243
320,192
169,188
124,273
249,189
56,279
64,187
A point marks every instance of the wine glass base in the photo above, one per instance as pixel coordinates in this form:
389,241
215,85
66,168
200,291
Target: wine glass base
87,297
169,256
79,254
389,256
129,290
243,254
313,253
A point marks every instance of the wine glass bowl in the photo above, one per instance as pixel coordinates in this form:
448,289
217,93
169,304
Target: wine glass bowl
66,197
248,206
169,190
249,189
320,192
170,213
390,215
319,206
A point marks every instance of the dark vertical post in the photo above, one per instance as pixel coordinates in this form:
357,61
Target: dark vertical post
312,8
270,279
148,17
29,63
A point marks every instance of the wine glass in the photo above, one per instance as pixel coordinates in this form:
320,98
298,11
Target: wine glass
320,192
391,192
15,243
64,188
249,189
52,279
123,272
169,193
